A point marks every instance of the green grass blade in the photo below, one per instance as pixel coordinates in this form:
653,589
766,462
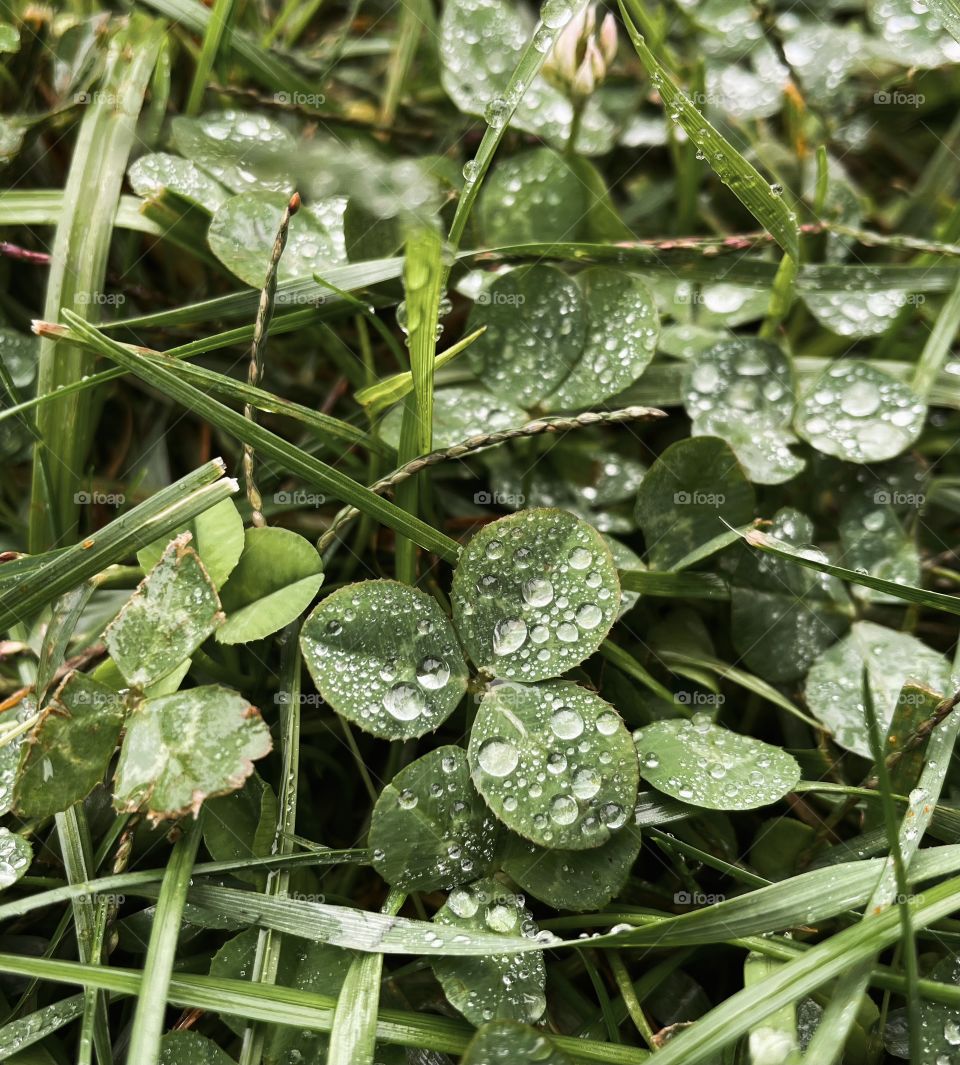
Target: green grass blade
269,69
353,1035
161,951
527,68
285,454
25,1031
422,279
949,14
937,348
741,177
298,1009
219,19
36,585
671,585
949,604
269,944
295,292
377,397
44,207
727,1022
78,268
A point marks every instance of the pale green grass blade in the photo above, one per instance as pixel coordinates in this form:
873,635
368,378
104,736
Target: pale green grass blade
938,346
43,207
161,951
269,944
353,1035
219,19
422,280
266,67
528,67
295,292
949,12
78,268
950,604
377,397
298,1009
17,1035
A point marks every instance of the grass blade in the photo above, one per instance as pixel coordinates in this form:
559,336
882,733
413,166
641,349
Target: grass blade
161,951
422,279
35,585
950,604
285,454
78,268
353,1035
741,177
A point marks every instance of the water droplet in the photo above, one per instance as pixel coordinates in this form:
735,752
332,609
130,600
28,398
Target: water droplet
566,723
498,757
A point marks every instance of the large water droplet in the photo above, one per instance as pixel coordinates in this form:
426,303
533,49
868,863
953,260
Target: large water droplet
498,757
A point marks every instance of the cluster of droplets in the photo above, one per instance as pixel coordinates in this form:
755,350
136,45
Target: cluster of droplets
508,984
536,324
857,314
740,390
860,414
554,757
834,687
698,762
620,340
528,612
438,787
15,856
384,653
244,150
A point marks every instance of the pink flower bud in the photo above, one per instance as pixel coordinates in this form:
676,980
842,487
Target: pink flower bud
608,38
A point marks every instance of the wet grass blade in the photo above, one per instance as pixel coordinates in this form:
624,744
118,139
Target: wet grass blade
377,397
289,457
298,1009
44,207
353,1035
422,279
949,604
741,177
271,70
161,951
34,583
220,15
937,348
